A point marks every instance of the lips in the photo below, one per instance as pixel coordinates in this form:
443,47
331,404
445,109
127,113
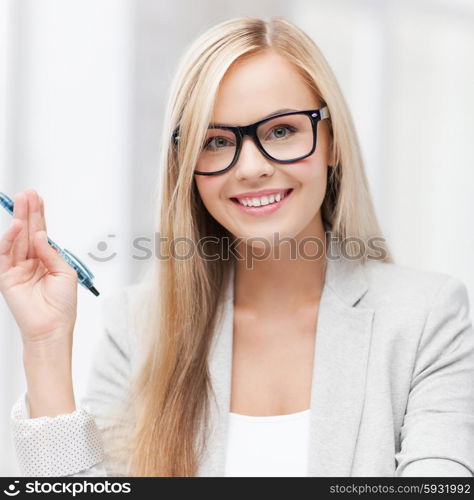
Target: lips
275,192
263,210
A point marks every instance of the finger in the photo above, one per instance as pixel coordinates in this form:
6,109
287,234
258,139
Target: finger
20,245
43,220
6,244
34,220
49,256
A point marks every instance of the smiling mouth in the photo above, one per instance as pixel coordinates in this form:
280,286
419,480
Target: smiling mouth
287,192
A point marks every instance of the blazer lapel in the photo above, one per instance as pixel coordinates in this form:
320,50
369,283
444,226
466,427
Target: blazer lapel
343,335
342,344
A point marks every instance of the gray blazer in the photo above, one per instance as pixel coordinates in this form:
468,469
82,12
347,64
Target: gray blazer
393,377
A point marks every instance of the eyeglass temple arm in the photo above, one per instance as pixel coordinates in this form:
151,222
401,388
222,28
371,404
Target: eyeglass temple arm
324,112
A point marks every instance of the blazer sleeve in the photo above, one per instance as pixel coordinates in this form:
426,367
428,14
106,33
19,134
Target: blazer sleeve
73,444
437,435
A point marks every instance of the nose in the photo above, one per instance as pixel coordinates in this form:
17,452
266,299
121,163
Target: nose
251,162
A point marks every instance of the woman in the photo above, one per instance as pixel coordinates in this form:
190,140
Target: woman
257,354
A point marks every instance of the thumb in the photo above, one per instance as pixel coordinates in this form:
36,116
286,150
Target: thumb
48,255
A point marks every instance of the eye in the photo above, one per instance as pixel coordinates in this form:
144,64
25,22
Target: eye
282,131
217,142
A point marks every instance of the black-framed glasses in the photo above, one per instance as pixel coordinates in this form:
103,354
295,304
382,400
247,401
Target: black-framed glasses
282,138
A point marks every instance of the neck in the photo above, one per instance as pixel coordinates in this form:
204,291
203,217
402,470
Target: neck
286,283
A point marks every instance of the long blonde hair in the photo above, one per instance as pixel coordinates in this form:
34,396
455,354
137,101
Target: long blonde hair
169,395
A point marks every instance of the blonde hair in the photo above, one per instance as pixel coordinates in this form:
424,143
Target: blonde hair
169,396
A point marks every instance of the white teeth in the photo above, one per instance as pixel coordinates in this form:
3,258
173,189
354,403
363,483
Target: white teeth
264,200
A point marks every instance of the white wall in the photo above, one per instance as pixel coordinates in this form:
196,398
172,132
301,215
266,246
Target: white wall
68,136
406,68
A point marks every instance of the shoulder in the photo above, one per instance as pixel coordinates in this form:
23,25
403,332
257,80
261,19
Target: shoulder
119,305
419,314
398,285
120,310
123,297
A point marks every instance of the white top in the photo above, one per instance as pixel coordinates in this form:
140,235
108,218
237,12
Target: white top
275,445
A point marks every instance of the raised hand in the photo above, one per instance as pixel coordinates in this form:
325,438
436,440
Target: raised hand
39,287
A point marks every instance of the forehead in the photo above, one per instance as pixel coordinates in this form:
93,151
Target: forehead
258,86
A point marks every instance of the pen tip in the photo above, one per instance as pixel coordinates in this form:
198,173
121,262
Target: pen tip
94,291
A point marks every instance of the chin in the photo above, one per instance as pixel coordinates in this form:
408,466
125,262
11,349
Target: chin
267,239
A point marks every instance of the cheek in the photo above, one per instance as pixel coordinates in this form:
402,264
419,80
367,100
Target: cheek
312,181
209,189
311,173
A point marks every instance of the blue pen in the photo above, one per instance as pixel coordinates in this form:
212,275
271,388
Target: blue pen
85,277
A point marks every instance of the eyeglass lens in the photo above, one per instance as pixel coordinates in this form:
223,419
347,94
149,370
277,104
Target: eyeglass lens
284,138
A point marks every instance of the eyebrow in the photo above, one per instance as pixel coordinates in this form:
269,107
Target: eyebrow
276,112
